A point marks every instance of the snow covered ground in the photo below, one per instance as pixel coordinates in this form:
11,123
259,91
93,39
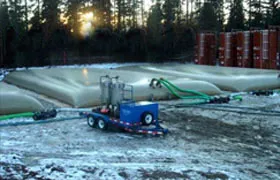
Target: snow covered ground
202,144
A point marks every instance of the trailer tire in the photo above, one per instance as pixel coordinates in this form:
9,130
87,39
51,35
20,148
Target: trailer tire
91,121
102,124
147,118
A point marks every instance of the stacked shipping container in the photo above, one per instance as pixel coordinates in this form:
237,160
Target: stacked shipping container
266,49
274,49
227,50
205,49
258,49
243,49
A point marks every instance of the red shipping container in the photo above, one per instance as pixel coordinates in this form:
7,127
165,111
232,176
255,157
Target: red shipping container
261,49
244,49
247,51
265,49
222,49
273,37
257,49
227,50
196,50
211,48
205,49
200,54
278,51
233,57
240,48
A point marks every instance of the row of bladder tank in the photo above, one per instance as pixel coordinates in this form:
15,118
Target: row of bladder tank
250,49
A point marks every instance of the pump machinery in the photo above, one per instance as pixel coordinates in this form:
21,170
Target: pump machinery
118,108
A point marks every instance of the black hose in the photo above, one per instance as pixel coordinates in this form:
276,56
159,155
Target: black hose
40,121
240,107
227,110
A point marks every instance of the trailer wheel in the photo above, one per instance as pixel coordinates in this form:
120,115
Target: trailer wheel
102,124
147,118
91,121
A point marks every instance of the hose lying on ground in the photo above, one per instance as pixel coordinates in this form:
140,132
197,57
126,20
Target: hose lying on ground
40,122
10,116
202,97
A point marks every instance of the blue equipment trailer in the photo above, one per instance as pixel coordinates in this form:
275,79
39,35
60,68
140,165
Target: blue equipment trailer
123,112
137,117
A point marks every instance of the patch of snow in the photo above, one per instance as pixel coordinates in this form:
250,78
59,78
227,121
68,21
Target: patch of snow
11,158
3,73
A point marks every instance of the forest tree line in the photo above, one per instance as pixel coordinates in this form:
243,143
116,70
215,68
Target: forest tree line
47,32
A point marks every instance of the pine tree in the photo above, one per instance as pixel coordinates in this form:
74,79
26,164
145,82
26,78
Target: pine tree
36,19
236,16
104,7
154,24
273,13
207,19
257,14
142,12
4,21
119,11
16,10
50,14
73,7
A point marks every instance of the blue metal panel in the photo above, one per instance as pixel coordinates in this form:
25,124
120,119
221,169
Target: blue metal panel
132,112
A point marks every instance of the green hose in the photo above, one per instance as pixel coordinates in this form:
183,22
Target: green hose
204,98
237,97
10,116
180,96
183,90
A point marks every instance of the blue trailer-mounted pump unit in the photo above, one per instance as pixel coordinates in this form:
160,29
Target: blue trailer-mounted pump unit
119,109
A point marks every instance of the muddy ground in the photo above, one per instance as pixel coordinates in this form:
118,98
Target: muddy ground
202,144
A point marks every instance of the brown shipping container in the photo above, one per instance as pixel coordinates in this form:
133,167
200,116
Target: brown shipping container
265,49
273,37
222,50
248,49
227,50
233,57
257,49
196,51
240,48
244,49
211,48
278,51
201,55
205,53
